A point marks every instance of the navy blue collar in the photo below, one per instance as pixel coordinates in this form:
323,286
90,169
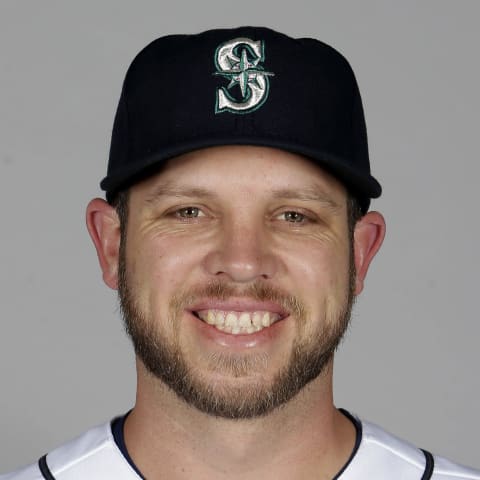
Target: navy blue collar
119,422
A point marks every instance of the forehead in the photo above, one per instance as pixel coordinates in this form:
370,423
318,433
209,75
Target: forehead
249,169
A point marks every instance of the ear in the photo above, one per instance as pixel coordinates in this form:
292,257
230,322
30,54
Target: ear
368,237
104,227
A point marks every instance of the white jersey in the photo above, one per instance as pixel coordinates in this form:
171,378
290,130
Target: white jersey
378,455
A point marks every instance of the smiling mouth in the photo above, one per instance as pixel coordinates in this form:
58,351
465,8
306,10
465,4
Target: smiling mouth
238,323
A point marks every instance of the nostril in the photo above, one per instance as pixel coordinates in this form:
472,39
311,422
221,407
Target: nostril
240,264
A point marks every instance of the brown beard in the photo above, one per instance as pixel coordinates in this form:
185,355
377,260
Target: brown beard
164,358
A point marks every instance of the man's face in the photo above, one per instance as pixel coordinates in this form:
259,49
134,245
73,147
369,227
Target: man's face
236,277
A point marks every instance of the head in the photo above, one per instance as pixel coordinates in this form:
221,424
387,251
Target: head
236,229
236,240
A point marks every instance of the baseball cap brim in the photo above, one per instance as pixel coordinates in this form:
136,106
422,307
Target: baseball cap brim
360,185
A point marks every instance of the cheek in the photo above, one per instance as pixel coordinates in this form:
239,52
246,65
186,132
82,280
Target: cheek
322,279
157,267
322,269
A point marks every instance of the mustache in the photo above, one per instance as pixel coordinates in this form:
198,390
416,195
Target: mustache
256,291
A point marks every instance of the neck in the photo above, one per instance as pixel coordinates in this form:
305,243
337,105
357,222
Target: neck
306,438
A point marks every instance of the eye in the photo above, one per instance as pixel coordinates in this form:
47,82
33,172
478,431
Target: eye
294,217
188,212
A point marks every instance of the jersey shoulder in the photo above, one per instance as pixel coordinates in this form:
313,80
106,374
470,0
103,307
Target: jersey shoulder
32,472
380,453
447,470
93,455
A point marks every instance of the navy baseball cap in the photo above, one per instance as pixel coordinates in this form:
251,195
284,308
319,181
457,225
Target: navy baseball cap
242,86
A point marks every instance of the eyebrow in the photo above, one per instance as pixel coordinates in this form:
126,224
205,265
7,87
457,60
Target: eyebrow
169,189
310,193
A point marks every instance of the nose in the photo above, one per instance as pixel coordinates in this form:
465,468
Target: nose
242,254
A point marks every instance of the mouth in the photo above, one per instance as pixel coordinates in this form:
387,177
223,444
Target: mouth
238,322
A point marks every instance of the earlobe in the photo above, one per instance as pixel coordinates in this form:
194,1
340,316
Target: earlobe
104,228
368,237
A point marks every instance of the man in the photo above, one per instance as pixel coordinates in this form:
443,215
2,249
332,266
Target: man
237,232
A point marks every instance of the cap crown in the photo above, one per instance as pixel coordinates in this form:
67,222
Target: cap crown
245,86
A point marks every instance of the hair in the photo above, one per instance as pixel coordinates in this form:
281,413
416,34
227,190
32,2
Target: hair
120,203
354,213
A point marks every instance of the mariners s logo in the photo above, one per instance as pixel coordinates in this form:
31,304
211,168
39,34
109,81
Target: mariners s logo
239,61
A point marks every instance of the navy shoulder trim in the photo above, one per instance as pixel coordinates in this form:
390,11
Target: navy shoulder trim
44,470
429,464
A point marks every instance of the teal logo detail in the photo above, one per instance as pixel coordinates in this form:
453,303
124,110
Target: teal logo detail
239,61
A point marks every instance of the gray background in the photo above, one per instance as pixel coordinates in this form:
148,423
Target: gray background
410,362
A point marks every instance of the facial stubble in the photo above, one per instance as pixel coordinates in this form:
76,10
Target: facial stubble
164,359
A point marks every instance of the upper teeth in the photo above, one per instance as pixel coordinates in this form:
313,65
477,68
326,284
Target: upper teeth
238,322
